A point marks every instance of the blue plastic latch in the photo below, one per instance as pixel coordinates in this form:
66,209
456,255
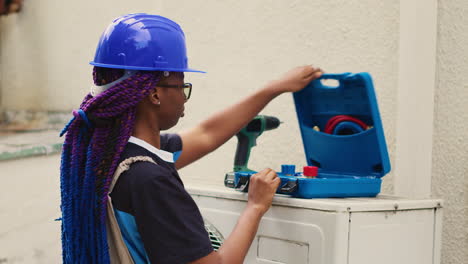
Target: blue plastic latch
287,169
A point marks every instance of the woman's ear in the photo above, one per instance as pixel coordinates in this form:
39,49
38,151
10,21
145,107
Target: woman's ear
154,98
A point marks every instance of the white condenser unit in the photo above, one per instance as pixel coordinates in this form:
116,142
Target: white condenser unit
380,230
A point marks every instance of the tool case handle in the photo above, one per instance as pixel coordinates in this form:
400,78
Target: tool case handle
331,76
335,76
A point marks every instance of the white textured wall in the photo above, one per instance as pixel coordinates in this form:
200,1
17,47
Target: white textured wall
242,44
450,153
46,48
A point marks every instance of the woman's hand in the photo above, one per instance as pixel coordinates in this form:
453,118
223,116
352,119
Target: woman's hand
296,79
262,188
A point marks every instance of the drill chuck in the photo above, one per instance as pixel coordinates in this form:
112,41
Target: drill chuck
262,123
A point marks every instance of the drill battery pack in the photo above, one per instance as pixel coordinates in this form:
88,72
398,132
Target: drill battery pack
343,140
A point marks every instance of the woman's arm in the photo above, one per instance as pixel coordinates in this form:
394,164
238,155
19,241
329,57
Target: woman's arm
262,188
219,128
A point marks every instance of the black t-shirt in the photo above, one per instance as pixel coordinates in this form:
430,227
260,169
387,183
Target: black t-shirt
153,208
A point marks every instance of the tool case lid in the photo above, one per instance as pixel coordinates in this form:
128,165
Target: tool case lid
363,154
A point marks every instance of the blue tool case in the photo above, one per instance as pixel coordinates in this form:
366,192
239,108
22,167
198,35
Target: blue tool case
343,140
350,164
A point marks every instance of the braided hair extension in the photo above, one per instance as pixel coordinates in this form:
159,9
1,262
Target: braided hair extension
93,144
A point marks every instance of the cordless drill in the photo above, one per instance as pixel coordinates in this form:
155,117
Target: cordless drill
247,138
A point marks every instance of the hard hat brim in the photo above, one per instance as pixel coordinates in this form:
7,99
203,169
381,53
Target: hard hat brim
143,68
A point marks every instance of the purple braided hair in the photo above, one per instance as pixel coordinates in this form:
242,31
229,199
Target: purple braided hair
90,156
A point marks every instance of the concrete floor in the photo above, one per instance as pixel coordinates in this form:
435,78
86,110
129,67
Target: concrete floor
29,203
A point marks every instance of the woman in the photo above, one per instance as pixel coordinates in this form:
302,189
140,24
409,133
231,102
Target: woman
114,150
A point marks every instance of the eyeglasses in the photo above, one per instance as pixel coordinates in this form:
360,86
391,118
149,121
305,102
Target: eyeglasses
186,86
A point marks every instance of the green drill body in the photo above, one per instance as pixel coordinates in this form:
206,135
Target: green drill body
247,139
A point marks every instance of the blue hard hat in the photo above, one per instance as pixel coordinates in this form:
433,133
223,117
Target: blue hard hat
143,42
